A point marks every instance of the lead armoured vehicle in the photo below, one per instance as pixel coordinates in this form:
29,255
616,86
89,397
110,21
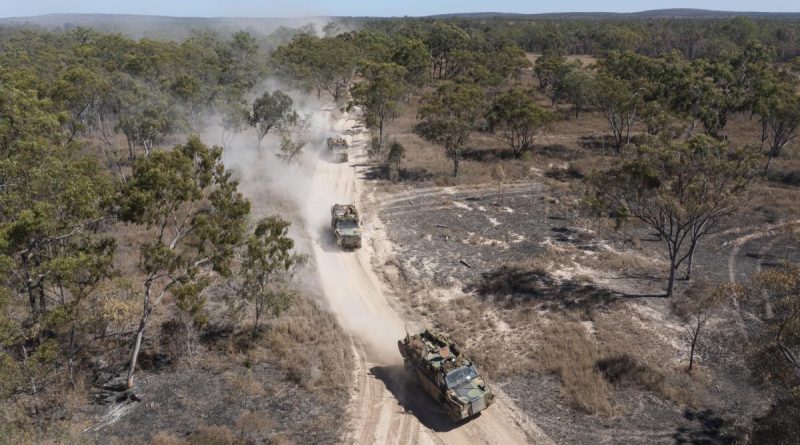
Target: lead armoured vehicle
345,225
337,148
446,373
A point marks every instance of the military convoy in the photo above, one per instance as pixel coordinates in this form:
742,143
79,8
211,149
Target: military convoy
345,225
337,149
446,373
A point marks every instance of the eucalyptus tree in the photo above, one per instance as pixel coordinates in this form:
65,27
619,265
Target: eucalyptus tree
271,110
684,191
268,266
448,117
193,216
380,94
518,119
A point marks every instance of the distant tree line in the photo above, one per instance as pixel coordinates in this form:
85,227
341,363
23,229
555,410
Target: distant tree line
705,38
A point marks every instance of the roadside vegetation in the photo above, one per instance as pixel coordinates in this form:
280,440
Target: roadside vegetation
130,256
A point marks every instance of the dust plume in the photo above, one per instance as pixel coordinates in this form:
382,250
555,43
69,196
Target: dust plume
302,192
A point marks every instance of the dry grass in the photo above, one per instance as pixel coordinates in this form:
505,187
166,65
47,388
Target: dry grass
311,346
554,257
615,353
653,360
55,415
499,361
567,351
472,323
215,435
255,425
164,438
742,129
620,261
306,342
250,428
774,204
244,383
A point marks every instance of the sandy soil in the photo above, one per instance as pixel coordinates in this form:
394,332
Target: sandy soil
386,407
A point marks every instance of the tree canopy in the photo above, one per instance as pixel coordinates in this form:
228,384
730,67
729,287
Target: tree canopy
271,110
380,94
448,117
518,119
683,191
194,216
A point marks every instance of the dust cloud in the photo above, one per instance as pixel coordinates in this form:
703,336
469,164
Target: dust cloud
302,193
272,185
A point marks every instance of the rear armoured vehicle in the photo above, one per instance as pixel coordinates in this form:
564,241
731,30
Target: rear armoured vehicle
446,373
345,225
337,149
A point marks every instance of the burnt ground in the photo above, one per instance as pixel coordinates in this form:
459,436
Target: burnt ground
181,402
649,419
453,242
288,384
433,231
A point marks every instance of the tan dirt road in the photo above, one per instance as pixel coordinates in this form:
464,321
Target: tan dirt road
387,407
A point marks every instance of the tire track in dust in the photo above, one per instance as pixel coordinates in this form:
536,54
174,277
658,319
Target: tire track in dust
362,412
771,230
390,198
439,199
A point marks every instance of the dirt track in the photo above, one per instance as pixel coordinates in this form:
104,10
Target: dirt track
387,407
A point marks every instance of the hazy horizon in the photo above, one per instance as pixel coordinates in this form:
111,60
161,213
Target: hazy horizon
316,8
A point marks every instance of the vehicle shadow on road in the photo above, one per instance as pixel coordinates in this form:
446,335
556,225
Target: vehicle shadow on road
414,400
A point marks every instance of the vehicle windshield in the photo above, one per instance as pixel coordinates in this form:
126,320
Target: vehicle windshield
460,376
347,225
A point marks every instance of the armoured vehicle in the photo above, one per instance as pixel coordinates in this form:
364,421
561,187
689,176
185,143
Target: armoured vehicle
337,148
446,373
345,225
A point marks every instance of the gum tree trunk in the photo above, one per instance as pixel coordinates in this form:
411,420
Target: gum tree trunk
139,335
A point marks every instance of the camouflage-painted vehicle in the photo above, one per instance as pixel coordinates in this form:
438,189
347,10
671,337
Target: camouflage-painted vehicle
345,225
337,148
446,373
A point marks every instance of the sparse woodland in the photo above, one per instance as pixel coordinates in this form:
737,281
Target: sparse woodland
127,250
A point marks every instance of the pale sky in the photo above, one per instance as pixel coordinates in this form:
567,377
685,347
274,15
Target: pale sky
272,8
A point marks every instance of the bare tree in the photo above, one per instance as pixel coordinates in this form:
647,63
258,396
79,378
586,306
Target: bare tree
697,306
